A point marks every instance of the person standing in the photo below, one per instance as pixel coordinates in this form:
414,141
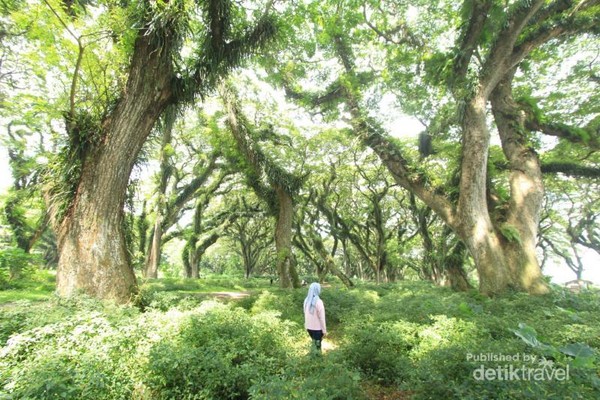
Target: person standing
314,315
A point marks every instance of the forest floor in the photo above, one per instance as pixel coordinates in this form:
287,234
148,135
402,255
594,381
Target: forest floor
419,336
228,295
376,392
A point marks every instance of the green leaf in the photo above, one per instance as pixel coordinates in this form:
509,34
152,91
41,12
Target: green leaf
465,309
510,233
528,335
578,350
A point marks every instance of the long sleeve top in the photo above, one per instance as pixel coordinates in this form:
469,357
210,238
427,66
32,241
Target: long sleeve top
315,321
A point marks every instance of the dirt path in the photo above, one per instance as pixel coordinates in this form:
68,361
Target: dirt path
376,392
228,295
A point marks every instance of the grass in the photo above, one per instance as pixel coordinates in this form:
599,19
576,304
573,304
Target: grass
35,294
207,284
36,287
41,286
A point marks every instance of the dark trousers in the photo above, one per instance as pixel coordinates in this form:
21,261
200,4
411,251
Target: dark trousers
316,336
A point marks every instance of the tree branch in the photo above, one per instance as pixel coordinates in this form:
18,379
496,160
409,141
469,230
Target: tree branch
570,169
406,37
570,133
497,63
470,37
553,22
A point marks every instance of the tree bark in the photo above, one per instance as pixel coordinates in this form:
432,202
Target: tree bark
278,198
501,262
283,236
93,255
454,269
91,244
154,252
475,225
526,188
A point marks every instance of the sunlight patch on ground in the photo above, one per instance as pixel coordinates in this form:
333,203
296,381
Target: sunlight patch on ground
230,295
328,345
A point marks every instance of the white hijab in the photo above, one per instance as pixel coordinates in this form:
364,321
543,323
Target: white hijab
314,290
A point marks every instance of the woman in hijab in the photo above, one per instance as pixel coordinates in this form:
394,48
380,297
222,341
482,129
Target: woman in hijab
314,315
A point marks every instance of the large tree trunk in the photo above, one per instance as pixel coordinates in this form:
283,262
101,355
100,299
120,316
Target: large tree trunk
476,228
153,259
154,253
280,200
502,262
91,244
496,256
526,188
283,236
454,270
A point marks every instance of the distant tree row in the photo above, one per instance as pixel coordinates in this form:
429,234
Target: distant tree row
276,127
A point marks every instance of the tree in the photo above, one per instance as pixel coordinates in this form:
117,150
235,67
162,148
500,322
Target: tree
492,42
89,184
475,74
348,200
164,173
190,170
252,234
25,138
568,226
279,191
443,253
24,194
206,230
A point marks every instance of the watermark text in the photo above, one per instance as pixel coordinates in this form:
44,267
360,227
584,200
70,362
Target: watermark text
516,367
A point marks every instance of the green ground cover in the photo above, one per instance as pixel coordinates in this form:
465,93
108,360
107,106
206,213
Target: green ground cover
187,340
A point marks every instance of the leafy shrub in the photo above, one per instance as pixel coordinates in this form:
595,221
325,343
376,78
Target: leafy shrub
428,356
417,301
164,301
381,351
288,303
10,322
445,370
444,332
447,373
218,354
74,359
310,378
344,306
411,336
15,264
341,305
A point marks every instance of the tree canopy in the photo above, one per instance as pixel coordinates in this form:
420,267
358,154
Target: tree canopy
279,130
